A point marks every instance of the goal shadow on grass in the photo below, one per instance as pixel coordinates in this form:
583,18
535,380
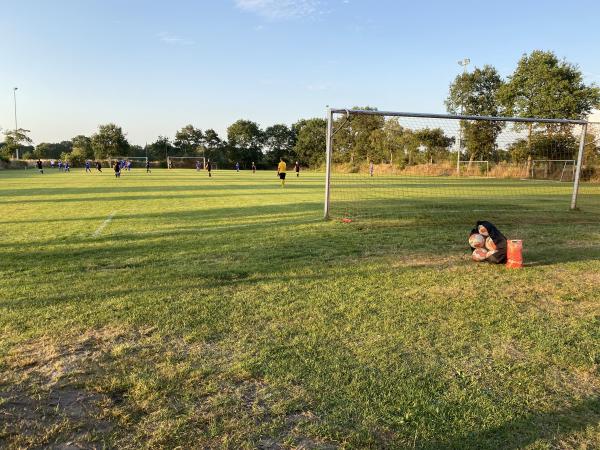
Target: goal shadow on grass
551,427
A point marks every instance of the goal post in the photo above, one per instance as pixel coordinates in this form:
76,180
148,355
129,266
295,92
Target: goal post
397,163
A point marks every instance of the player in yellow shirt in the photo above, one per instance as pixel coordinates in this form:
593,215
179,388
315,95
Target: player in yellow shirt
281,168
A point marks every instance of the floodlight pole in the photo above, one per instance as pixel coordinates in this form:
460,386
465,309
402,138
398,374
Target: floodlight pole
464,63
578,167
16,126
329,146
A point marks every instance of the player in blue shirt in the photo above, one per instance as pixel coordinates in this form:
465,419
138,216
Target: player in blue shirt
237,166
87,166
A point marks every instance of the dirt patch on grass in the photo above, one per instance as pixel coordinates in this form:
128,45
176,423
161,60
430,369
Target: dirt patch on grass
43,399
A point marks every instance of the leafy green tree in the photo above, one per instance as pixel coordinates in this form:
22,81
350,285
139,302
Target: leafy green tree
76,157
279,142
477,93
353,140
311,135
435,143
47,150
109,141
160,149
16,140
245,142
84,144
215,146
189,141
544,86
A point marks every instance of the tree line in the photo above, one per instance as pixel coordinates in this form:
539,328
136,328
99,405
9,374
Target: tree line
541,85
246,143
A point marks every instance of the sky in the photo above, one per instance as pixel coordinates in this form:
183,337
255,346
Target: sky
153,67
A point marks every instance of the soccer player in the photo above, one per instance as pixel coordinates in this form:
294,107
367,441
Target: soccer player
197,166
297,167
52,164
60,165
67,166
98,166
117,169
208,168
148,166
237,166
281,168
253,167
87,166
40,166
371,168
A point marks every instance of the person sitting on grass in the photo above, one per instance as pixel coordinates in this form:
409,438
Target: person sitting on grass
281,168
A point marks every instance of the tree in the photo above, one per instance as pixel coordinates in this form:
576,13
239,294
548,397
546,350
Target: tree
311,135
47,150
353,140
435,143
245,142
84,145
15,140
160,149
215,146
543,86
109,141
476,93
279,142
189,141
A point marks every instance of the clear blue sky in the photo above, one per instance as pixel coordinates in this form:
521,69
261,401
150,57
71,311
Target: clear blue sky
155,66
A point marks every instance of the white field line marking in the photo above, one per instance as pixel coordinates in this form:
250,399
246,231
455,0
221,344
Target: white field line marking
104,224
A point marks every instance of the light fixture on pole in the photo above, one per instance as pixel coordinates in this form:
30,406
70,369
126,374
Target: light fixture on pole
16,126
463,63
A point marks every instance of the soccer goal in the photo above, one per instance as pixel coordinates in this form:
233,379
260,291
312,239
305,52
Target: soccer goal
553,169
384,164
186,162
136,161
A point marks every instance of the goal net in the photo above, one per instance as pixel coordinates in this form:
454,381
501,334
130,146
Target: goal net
402,165
133,161
186,162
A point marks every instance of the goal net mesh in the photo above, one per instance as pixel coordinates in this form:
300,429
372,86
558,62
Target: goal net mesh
387,166
186,162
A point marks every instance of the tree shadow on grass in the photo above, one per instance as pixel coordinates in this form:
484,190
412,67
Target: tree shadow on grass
546,426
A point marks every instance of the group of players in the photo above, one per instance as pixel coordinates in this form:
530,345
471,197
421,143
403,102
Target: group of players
121,165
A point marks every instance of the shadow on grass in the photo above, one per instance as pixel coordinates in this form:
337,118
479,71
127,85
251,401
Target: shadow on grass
547,426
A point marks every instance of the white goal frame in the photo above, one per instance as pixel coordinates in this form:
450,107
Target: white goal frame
564,169
197,158
127,158
331,112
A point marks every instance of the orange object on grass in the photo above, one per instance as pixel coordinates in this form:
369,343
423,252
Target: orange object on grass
346,220
514,256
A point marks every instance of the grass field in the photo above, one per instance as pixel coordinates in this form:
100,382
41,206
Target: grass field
170,309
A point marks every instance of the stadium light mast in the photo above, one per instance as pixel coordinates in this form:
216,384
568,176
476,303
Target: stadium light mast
463,63
16,126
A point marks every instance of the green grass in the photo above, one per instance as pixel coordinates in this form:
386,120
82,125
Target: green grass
223,313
